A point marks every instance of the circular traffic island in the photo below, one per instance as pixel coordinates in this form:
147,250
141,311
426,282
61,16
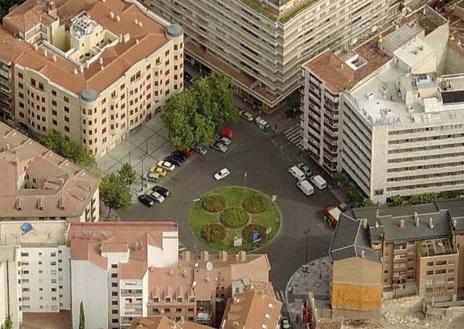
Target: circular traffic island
234,218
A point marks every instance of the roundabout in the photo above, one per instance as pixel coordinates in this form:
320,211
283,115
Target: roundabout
234,218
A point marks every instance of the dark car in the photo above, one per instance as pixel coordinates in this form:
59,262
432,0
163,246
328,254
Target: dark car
218,146
146,200
179,154
305,168
175,161
185,153
162,190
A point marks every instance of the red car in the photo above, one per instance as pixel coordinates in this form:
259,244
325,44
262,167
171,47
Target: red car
186,153
227,132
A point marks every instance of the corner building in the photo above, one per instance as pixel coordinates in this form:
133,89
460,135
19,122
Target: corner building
96,69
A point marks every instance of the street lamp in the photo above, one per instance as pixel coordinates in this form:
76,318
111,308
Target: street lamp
244,177
141,175
307,244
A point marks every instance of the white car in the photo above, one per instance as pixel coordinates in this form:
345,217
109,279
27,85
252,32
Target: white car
166,165
223,173
152,177
158,197
224,140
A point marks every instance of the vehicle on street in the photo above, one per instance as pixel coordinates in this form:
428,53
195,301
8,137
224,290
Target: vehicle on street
248,116
152,177
297,173
221,174
331,215
146,200
166,165
161,190
263,124
200,149
174,160
285,323
305,187
305,168
158,170
178,154
218,146
227,132
157,196
224,140
319,182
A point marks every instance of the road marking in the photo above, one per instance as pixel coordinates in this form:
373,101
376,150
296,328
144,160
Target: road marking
294,136
281,296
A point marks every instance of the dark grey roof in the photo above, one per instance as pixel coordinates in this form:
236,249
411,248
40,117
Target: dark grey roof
350,240
455,209
89,95
174,30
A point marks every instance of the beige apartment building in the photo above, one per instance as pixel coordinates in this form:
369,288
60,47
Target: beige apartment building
262,44
415,250
96,69
37,184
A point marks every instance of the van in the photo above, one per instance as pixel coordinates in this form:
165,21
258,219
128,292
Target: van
296,172
305,187
319,182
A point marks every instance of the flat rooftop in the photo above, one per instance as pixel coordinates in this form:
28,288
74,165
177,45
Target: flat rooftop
279,10
42,233
436,247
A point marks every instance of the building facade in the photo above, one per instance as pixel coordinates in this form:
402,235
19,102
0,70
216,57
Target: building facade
415,250
261,44
95,71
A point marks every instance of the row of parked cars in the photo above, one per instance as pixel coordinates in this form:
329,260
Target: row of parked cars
260,122
302,173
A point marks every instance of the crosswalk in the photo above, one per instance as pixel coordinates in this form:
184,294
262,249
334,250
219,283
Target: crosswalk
280,295
294,135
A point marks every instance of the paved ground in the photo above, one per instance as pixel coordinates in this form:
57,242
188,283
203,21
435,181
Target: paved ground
265,158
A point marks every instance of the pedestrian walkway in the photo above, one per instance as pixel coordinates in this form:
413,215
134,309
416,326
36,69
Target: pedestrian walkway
294,135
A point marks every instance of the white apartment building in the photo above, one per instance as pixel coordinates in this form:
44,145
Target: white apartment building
110,266
34,268
262,44
402,127
95,69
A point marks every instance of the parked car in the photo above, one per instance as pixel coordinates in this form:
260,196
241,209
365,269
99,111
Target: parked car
166,165
158,170
186,153
152,177
218,146
178,154
297,173
223,173
146,200
162,190
201,149
331,215
224,140
175,161
263,124
227,132
248,116
319,182
285,323
305,187
158,197
305,168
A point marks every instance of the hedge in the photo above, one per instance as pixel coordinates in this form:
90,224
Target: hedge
247,232
234,217
213,203
255,204
213,232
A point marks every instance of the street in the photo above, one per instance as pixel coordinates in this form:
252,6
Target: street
266,159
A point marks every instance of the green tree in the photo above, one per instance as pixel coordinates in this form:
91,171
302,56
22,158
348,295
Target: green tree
8,324
397,201
127,174
114,193
6,4
193,116
367,203
81,316
294,104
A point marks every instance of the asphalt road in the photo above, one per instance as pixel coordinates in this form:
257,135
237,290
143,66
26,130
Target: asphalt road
265,158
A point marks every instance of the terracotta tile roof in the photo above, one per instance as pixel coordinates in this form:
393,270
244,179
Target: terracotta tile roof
89,241
144,40
162,322
66,189
10,47
251,310
24,17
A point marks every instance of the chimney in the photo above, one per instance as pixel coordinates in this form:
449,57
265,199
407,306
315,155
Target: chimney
45,52
364,223
81,69
455,223
140,24
402,223
362,253
242,256
54,58
185,256
75,71
223,256
111,14
118,18
204,256
431,222
100,60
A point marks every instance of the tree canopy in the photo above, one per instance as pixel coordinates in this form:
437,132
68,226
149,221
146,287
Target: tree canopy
127,174
114,193
193,116
55,141
6,4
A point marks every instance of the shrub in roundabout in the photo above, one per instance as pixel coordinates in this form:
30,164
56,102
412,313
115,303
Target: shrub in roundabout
213,203
213,232
247,232
234,217
255,204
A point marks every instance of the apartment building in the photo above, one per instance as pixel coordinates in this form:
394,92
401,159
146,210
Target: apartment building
38,184
262,44
34,268
397,252
10,51
329,75
162,322
96,69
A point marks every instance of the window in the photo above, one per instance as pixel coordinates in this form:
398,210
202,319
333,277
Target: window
66,109
66,119
66,99
20,75
53,92
66,128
